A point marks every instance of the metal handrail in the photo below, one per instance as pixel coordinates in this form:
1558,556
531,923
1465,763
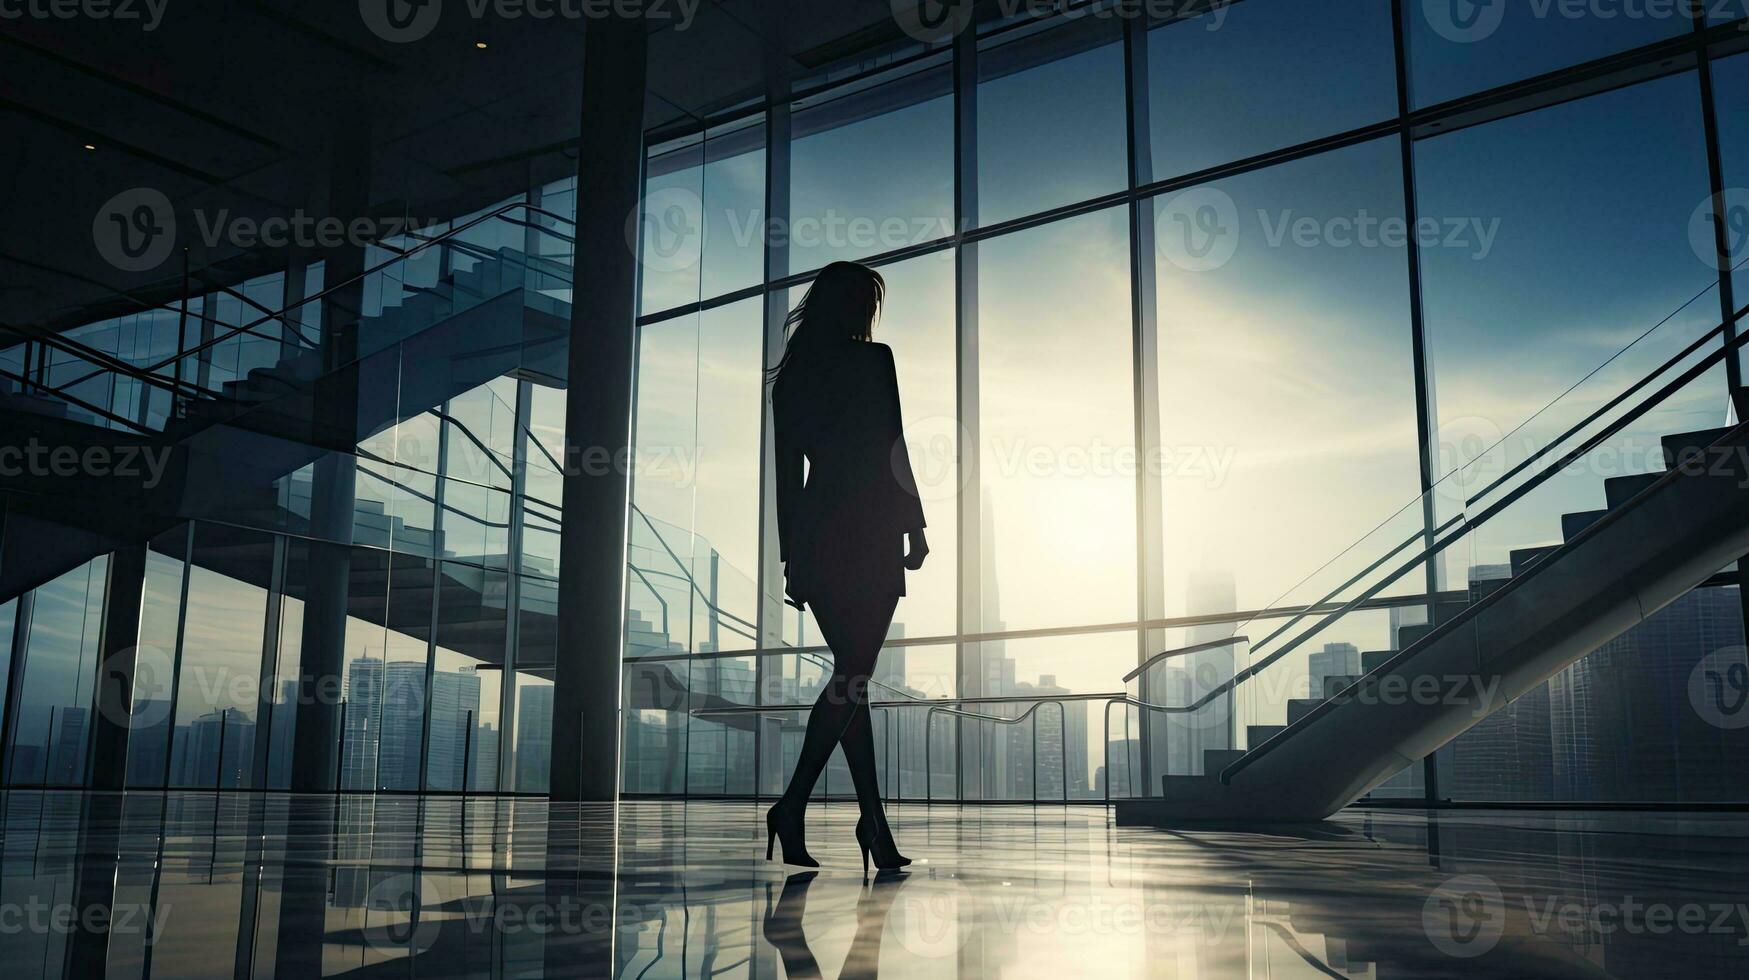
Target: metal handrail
105,361
1063,738
1183,652
77,402
687,574
942,705
1137,703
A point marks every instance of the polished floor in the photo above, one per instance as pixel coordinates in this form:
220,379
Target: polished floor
204,885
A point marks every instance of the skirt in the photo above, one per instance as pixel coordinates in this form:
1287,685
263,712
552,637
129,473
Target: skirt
844,561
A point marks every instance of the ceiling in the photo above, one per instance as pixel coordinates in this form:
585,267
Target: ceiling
259,108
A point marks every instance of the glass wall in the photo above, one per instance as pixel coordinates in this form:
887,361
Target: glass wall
1184,309
384,605
1181,309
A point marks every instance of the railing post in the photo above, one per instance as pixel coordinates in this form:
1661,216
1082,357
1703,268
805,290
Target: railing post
928,752
219,773
1034,727
1063,742
340,752
467,751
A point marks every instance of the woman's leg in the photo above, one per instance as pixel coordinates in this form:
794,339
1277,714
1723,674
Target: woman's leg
872,619
854,629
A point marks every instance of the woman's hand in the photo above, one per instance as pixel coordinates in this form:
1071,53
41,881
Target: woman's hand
918,550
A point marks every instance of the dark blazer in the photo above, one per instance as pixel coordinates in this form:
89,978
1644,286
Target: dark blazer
843,531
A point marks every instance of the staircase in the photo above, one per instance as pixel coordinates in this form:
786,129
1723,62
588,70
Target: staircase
1660,535
227,452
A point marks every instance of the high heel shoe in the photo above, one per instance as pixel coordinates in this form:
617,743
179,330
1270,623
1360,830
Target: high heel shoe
781,825
876,838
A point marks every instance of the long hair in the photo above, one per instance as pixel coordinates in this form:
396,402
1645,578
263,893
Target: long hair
840,307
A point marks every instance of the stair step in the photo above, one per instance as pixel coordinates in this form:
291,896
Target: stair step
1374,659
1445,612
1336,683
1690,446
1619,490
1573,524
1408,636
1256,735
1178,787
1523,558
1214,760
1300,707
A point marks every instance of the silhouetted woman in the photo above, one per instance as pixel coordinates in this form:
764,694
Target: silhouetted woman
842,534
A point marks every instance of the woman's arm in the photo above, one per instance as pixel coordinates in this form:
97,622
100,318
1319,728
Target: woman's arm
908,506
788,482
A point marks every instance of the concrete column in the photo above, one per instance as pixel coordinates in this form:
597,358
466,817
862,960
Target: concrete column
586,694
322,655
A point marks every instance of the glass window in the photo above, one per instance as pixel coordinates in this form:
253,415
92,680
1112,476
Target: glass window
1459,47
8,626
1287,391
154,659
702,219
695,524
872,170
283,697
1593,202
918,323
1062,81
213,731
537,648
466,679
999,759
362,672
1057,424
1731,102
543,484
412,590
1563,291
50,736
1247,78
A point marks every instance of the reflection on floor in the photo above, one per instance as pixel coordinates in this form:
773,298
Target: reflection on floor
195,885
